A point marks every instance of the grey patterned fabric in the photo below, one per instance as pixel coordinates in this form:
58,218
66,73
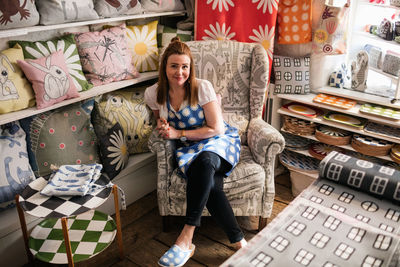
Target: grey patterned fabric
239,73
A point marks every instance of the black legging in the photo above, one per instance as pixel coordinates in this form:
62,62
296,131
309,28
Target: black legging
205,188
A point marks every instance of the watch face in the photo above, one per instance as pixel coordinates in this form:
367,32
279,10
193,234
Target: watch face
183,138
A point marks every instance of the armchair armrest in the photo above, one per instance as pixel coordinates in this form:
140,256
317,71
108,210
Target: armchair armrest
264,141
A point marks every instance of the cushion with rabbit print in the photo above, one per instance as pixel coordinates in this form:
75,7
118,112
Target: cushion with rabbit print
16,92
50,79
66,43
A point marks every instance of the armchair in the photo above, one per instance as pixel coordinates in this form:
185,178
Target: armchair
239,73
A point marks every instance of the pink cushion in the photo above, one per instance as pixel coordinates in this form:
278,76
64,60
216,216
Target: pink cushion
104,55
50,79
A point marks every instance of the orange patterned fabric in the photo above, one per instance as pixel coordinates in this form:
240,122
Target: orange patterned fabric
294,21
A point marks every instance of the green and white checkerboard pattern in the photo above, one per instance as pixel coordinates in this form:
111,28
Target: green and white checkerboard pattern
165,34
89,234
381,111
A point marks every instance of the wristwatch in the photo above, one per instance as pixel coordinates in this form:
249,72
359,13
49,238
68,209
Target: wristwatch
182,136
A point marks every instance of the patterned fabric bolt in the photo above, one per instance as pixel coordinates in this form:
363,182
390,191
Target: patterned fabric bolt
226,145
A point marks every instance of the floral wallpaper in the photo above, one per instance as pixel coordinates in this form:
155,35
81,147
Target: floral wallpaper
244,21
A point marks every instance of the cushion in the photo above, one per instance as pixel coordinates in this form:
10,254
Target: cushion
165,34
162,5
330,35
61,136
113,151
15,171
66,43
17,14
57,11
374,55
105,55
126,107
107,8
294,20
16,92
391,63
50,79
142,42
292,75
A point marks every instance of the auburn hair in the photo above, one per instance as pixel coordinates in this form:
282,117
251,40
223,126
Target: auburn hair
176,47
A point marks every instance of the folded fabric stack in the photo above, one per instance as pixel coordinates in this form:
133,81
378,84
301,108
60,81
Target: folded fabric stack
73,180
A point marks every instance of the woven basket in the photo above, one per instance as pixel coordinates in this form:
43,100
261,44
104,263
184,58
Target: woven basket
298,126
332,140
370,150
395,2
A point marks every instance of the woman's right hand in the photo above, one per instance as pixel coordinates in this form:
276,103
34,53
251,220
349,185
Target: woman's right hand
162,125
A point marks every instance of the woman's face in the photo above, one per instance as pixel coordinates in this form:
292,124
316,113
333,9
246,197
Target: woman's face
178,70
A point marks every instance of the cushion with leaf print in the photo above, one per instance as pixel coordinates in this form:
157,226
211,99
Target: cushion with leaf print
17,14
66,43
57,12
105,55
63,136
142,42
127,107
113,151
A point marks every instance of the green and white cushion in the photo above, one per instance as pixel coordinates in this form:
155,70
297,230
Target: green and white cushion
66,43
89,234
165,34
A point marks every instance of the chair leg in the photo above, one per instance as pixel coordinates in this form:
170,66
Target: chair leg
166,223
262,222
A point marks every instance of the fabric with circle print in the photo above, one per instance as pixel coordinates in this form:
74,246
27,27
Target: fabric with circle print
294,21
330,36
226,145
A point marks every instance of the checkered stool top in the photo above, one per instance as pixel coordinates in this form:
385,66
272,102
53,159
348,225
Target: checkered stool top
89,233
42,206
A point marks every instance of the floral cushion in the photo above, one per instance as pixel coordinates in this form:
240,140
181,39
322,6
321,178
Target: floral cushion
16,92
107,8
165,34
66,43
113,151
56,11
61,136
50,79
126,107
162,5
15,171
142,42
105,56
17,14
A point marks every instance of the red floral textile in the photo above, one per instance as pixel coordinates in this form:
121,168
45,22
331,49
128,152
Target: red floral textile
240,20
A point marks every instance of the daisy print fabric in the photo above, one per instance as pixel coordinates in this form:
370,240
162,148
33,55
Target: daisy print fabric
142,42
223,20
36,50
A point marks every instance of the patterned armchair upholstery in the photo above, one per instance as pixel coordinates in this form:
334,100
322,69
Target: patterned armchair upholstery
239,73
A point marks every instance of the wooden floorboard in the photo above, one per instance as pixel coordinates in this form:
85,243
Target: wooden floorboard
144,241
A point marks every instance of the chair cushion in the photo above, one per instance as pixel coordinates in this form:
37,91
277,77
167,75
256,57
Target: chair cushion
246,175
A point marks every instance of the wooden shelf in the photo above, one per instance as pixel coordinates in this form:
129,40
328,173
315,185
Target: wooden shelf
320,120
375,38
39,28
355,111
346,147
382,6
95,91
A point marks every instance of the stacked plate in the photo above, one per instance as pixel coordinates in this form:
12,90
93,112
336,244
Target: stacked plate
296,142
298,162
395,153
321,150
302,109
370,146
332,136
298,126
335,101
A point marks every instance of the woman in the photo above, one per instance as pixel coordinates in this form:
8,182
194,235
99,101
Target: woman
187,109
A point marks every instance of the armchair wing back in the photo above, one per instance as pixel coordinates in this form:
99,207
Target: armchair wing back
239,73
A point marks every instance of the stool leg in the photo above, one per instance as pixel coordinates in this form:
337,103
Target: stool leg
118,222
67,242
23,228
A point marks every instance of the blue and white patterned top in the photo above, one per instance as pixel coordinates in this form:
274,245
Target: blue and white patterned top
188,117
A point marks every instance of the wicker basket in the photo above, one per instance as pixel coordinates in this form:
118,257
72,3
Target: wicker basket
298,126
332,136
321,150
374,147
395,2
